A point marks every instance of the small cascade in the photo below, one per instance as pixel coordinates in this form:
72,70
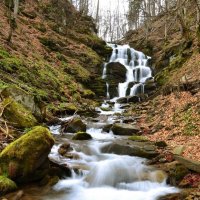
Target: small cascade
137,70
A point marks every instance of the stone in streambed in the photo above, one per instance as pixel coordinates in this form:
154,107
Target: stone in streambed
122,100
107,128
125,129
74,125
64,149
82,136
133,99
6,185
25,159
144,150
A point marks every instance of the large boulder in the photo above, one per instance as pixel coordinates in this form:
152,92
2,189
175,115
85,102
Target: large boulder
115,74
73,126
24,159
140,149
16,114
125,129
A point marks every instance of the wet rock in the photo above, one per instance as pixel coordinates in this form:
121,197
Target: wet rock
74,125
107,128
17,114
145,150
64,149
25,159
122,100
190,164
82,136
125,129
133,99
6,185
59,169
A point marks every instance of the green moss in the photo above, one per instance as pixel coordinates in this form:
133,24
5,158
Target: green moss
25,155
138,138
17,114
10,64
88,94
6,185
190,123
82,136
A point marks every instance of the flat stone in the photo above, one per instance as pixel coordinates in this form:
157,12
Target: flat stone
190,164
125,129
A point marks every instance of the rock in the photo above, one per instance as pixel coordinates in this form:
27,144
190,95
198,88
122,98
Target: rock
131,149
82,136
6,185
17,114
122,100
133,99
64,149
65,108
25,159
190,164
107,128
177,172
106,108
178,150
24,98
116,73
128,120
138,138
161,144
125,129
74,125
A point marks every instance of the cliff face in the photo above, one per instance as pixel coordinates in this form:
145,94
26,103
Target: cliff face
54,53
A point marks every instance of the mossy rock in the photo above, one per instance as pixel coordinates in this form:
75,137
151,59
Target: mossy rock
74,126
138,138
17,114
23,97
6,185
88,94
24,159
82,136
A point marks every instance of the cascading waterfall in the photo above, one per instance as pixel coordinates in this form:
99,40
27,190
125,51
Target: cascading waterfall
137,71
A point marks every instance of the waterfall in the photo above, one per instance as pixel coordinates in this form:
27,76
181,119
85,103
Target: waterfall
137,69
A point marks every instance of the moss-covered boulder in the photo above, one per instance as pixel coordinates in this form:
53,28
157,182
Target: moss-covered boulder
73,126
22,97
82,136
6,185
24,159
17,114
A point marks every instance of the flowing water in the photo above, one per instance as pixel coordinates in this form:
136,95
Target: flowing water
137,69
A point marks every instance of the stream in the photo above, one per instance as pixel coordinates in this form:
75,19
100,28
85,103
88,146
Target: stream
109,176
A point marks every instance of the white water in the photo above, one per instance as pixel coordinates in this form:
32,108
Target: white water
135,63
106,176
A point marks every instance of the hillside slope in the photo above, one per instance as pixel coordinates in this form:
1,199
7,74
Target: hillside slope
172,112
54,53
